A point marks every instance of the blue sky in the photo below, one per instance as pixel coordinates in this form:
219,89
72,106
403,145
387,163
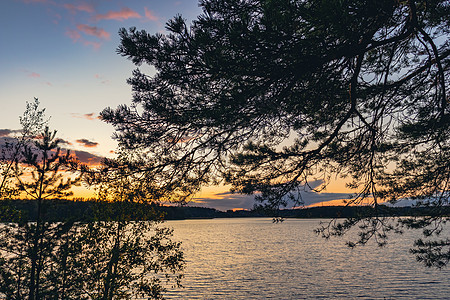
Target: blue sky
64,53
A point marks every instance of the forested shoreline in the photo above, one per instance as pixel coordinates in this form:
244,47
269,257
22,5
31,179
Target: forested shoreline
83,210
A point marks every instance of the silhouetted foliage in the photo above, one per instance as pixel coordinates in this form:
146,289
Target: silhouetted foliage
40,171
98,253
269,95
28,249
432,253
123,257
11,150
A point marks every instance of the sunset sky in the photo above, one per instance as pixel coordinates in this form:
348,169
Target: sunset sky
64,53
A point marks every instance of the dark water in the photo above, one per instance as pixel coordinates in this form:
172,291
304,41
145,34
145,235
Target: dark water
256,259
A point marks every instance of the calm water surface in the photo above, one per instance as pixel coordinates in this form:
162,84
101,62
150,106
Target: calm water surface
256,259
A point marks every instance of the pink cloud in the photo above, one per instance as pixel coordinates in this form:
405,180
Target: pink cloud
150,15
94,31
89,116
76,37
94,45
123,14
34,75
80,7
73,34
102,79
57,18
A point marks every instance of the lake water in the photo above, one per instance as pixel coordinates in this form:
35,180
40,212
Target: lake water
252,258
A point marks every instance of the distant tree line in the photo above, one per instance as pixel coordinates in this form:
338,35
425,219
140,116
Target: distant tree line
82,210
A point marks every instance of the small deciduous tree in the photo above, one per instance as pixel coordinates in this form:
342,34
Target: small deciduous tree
126,252
28,247
32,122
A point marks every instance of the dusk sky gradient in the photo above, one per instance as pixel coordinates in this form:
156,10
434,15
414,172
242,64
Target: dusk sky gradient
64,53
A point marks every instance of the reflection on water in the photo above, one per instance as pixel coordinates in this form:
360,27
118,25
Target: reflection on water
256,259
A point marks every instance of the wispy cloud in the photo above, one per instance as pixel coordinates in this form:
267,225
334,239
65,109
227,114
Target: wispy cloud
95,45
87,143
229,202
57,18
31,74
102,79
34,75
94,31
85,7
76,37
150,15
89,116
87,157
73,34
6,132
124,14
76,11
311,198
83,156
64,142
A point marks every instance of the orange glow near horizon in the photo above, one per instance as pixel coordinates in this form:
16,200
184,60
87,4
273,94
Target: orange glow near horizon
212,192
342,202
82,192
338,185
337,202
238,209
219,192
